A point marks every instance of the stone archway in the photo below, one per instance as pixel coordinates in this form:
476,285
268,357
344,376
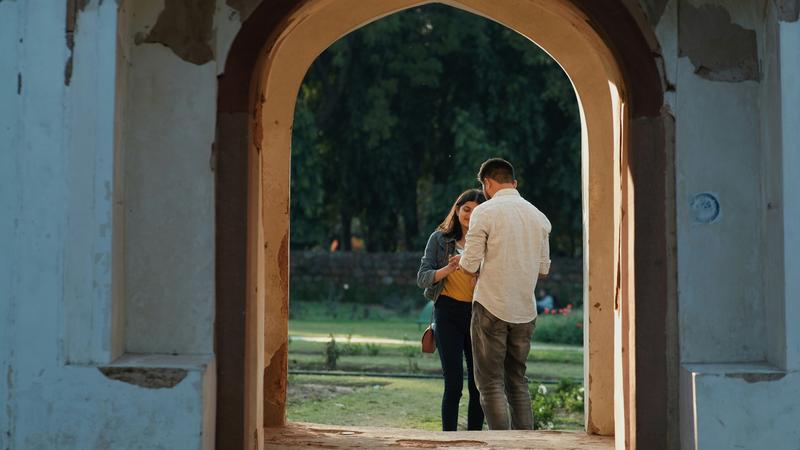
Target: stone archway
627,209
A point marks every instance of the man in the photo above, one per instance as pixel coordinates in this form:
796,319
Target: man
508,241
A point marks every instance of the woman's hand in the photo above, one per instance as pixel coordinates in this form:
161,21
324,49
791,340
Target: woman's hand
452,266
453,262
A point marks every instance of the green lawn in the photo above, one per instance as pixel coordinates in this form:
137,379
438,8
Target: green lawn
390,402
321,318
390,328
361,333
403,403
428,364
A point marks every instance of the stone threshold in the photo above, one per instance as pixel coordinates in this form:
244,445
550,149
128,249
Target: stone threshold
300,435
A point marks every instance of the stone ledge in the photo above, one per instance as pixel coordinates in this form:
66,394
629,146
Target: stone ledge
155,371
749,371
163,361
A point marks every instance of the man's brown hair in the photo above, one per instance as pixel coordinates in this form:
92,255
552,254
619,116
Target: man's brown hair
497,169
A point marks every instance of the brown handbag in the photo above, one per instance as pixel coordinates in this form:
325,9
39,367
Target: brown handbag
428,341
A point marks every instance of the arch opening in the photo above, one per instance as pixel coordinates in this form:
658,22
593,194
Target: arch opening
252,272
383,186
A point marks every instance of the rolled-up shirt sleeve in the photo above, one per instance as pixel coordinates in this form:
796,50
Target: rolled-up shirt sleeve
475,242
544,260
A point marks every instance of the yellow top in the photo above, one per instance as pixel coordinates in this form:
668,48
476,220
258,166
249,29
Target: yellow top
458,285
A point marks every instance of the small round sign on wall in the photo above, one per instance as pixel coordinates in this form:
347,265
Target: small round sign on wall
704,207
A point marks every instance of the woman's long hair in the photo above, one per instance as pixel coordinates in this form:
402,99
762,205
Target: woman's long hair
450,225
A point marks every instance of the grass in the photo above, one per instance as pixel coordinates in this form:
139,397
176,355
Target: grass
390,328
400,317
538,353
546,361
428,364
404,402
389,402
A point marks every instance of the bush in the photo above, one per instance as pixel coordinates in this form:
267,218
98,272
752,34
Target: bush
332,353
544,407
564,326
351,349
373,349
566,397
410,351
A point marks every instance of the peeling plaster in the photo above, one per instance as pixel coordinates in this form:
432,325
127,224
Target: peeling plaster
145,377
654,9
74,8
243,7
756,377
788,10
186,28
719,49
275,380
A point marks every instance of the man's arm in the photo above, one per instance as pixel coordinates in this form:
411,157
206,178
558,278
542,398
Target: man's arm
544,260
475,243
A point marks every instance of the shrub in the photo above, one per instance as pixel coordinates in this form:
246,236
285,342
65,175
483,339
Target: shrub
409,351
544,406
373,349
570,395
352,349
566,397
561,326
332,353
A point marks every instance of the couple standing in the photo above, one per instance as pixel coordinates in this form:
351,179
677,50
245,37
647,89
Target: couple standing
480,268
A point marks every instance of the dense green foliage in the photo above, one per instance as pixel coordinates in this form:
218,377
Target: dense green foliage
393,120
550,404
560,327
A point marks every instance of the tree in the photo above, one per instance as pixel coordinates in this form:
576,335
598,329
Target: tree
393,120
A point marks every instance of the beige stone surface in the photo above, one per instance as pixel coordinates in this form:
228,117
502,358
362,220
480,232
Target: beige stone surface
559,27
308,435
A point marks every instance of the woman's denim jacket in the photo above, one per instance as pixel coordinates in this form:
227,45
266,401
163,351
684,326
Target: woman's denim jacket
437,254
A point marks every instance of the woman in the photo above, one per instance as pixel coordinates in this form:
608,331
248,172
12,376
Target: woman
451,290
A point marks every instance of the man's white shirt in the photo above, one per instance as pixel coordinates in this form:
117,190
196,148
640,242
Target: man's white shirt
508,240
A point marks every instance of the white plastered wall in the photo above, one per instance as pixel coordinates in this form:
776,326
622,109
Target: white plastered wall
168,187
734,139
719,263
169,200
789,35
60,323
57,148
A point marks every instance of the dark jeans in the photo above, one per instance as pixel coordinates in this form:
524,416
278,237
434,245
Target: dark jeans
452,319
500,349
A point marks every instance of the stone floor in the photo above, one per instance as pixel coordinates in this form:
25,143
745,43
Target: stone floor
310,436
